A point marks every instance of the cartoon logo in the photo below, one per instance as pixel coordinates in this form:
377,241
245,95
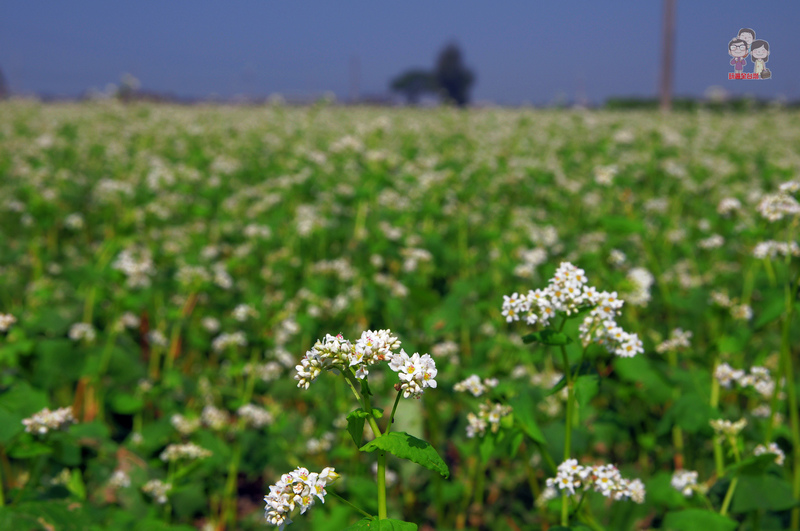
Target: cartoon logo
744,45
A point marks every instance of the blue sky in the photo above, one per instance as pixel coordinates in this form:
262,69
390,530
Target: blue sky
521,50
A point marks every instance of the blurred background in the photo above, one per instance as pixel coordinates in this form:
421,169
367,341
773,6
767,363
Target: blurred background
517,52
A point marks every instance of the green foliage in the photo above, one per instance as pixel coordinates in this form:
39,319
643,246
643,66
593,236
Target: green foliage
388,524
405,446
697,520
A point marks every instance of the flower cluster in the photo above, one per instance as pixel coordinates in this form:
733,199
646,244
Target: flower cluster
773,448
678,339
726,427
47,420
226,340
297,488
771,249
6,320
774,207
605,479
158,490
474,385
569,292
137,265
488,415
82,331
684,481
759,378
254,416
189,451
415,372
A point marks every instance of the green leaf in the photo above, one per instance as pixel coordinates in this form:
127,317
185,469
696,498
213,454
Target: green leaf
762,492
547,337
753,466
388,524
692,413
774,306
487,446
622,225
75,484
49,514
407,446
697,520
355,423
586,388
525,414
126,404
30,449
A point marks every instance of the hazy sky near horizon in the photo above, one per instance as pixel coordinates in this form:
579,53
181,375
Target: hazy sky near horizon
521,51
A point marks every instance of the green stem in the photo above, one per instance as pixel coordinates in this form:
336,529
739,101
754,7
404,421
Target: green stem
2,490
394,408
365,513
728,496
565,509
567,426
714,402
230,485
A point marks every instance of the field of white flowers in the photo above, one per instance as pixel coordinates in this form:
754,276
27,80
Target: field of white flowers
221,317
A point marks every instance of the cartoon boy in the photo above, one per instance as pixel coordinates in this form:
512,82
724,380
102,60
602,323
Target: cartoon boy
748,36
759,56
737,49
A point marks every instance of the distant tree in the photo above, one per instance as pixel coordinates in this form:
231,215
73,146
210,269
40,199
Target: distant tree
452,76
3,86
413,84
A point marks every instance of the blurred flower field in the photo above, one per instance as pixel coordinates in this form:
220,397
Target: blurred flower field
164,270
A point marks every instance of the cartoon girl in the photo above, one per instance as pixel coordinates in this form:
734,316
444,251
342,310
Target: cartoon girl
759,56
748,36
737,49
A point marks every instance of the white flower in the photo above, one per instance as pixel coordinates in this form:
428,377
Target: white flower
6,320
773,448
46,420
774,207
684,481
474,385
119,479
488,415
82,331
416,372
255,416
158,490
189,451
297,488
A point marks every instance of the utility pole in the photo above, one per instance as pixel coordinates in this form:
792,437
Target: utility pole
667,60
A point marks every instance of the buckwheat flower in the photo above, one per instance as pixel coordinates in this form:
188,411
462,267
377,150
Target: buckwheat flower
773,448
721,299
570,475
129,320
184,425
416,373
489,416
726,427
74,221
742,312
6,320
46,420
215,418
296,489
726,375
211,324
137,265
678,340
82,332
188,451
225,341
637,490
254,416
548,493
474,385
728,205
157,490
157,338
771,249
119,479
243,311
774,207
684,481
712,242
642,281
617,258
